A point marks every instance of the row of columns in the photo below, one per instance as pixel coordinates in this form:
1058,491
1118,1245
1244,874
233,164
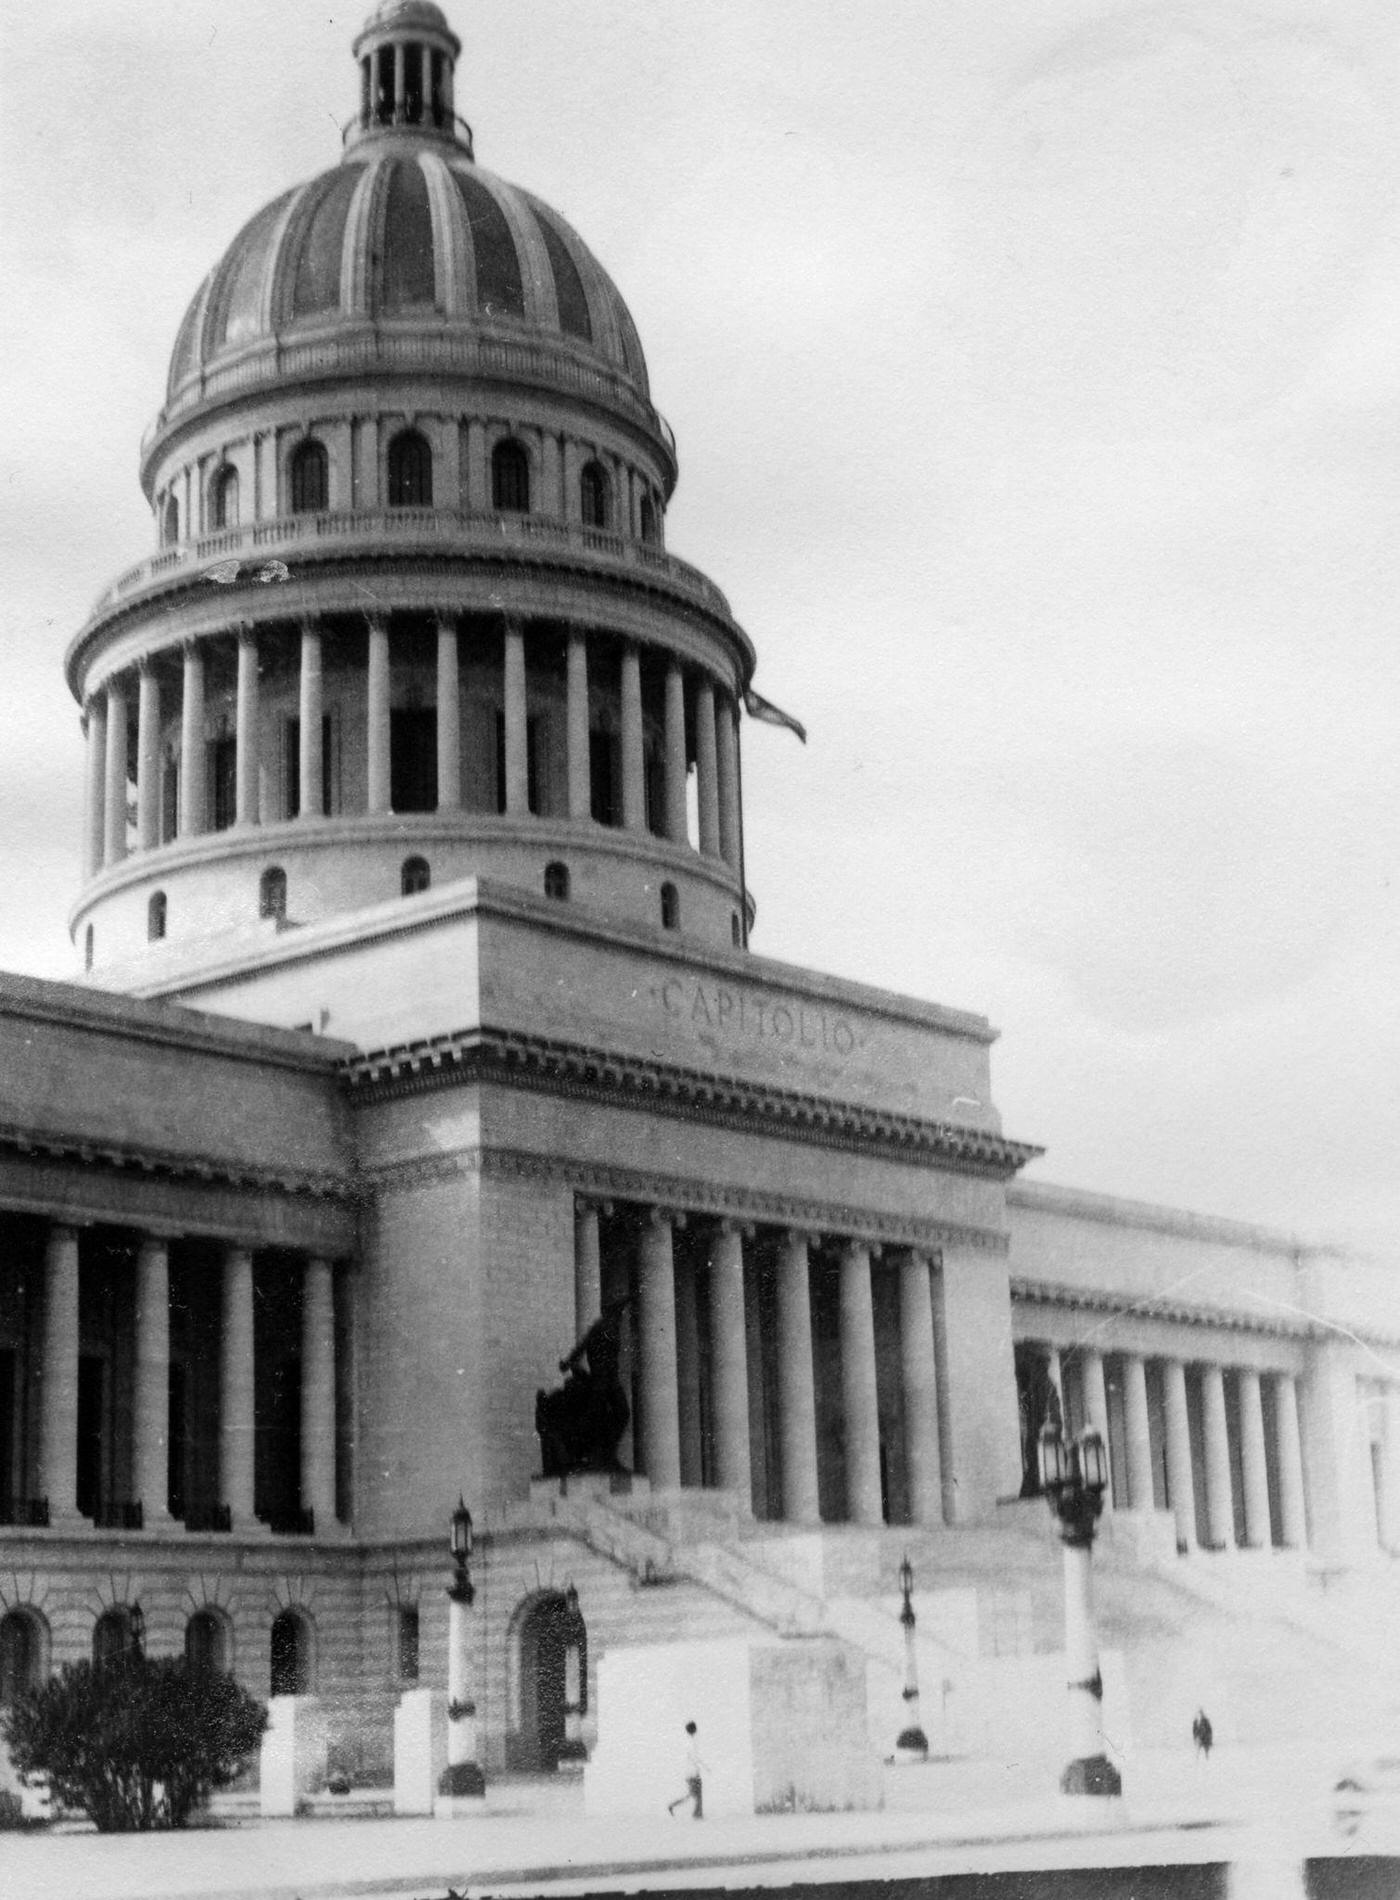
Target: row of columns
1135,1484
58,1418
715,712
669,1357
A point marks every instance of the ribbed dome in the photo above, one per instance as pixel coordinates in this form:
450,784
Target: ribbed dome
407,234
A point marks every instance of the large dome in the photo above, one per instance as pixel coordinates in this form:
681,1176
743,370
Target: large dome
408,234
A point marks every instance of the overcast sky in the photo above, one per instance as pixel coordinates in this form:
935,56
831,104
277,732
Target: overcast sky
1036,371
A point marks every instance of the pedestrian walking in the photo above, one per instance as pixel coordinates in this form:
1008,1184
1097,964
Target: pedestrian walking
694,1770
1202,1734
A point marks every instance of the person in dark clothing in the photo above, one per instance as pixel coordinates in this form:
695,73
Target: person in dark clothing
1202,1735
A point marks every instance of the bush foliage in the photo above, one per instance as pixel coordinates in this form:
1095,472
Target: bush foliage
139,1743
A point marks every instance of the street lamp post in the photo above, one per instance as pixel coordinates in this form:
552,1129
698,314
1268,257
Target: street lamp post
462,1776
912,1744
1074,1477
575,1679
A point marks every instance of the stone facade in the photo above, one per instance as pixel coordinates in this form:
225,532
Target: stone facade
421,1021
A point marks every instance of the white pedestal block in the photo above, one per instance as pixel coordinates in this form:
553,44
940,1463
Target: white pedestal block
293,1760
420,1749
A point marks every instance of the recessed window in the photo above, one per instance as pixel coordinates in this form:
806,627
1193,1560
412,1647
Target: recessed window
155,916
88,941
408,1642
170,522
734,930
593,495
556,881
310,472
670,907
410,471
649,521
224,496
272,893
415,876
510,479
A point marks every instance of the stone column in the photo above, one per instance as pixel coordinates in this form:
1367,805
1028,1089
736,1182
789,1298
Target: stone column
860,1406
1095,1394
400,76
152,1408
676,829
310,725
58,1441
979,1431
729,1351
236,1409
95,832
1258,1533
580,780
517,722
919,1378
1138,1433
1181,1484
660,1438
727,754
148,759
318,1394
688,1375
706,767
192,800
588,1269
449,717
797,1399
378,725
1290,1463
634,797
1220,1515
248,768
114,847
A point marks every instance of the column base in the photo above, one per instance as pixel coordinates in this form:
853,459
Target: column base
1091,1774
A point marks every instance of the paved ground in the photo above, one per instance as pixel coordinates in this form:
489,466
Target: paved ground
533,1837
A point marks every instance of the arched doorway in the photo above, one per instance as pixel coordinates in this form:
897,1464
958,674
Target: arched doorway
291,1654
547,1634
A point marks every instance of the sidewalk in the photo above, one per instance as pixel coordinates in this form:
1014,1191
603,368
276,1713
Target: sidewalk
533,1836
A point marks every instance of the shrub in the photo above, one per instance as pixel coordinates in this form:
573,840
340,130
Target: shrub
138,1742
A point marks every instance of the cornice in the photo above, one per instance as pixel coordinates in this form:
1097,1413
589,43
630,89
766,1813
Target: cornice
1152,1306
684,1194
599,1076
172,1165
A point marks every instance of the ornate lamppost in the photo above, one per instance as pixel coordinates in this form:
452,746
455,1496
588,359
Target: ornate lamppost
575,1678
1074,1477
462,1776
912,1744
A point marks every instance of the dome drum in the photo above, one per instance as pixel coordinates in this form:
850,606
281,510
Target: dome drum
213,899
351,736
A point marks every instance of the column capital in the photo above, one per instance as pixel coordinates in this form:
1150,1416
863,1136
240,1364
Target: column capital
377,621
446,620
665,1216
145,665
731,1224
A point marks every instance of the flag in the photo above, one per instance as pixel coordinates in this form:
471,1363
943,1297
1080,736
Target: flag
757,707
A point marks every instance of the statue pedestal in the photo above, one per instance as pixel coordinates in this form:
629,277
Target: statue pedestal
589,1484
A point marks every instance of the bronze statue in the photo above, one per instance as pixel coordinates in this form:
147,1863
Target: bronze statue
581,1422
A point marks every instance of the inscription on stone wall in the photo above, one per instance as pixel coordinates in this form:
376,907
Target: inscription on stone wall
722,1012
